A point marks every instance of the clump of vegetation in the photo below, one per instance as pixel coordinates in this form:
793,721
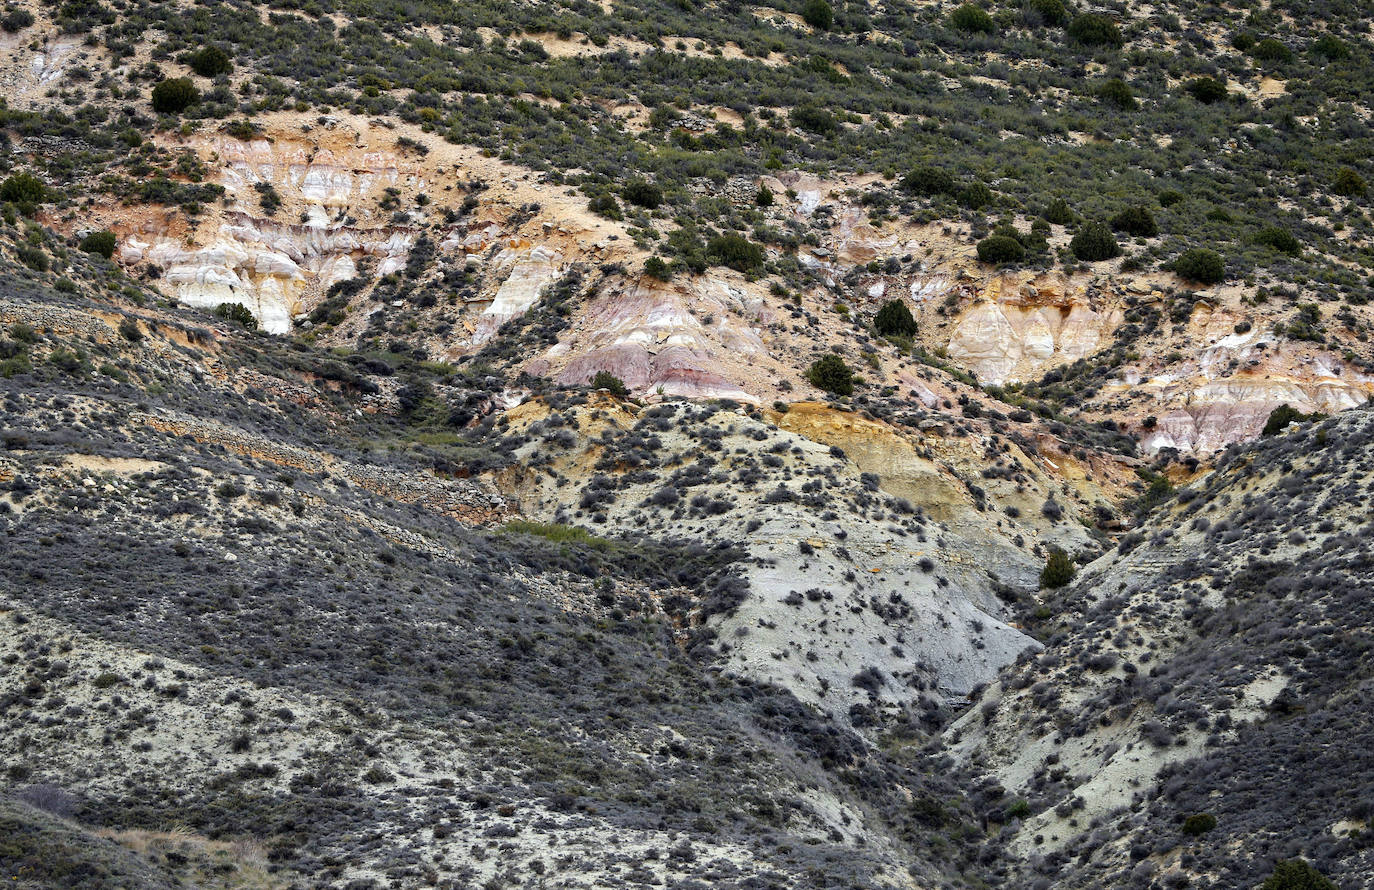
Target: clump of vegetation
1058,571
972,20
1095,29
735,251
928,181
210,61
643,193
894,319
1297,874
1136,221
25,191
101,243
175,95
1349,183
1200,265
1199,824
1285,414
1094,242
1116,92
1059,213
15,20
999,249
609,382
818,14
830,373
655,267
237,313
1279,239
1205,89
607,206
558,533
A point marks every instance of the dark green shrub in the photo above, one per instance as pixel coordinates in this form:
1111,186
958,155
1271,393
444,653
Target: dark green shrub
813,119
1348,183
895,319
1094,242
68,361
25,191
735,251
129,330
34,257
609,382
1000,249
1018,809
1282,416
831,374
15,20
818,14
1330,47
927,181
1058,571
971,20
655,267
605,205
1271,50
238,314
1058,213
1199,824
763,197
1170,197
1200,265
1051,12
269,199
1279,239
1296,874
175,95
100,243
642,193
1116,92
1136,221
1094,29
210,61
1205,89
976,196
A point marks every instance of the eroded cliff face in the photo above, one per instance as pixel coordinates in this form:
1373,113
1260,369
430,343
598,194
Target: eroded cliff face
1018,329
357,200
1224,391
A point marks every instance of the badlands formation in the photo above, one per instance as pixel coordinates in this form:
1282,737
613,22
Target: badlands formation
357,199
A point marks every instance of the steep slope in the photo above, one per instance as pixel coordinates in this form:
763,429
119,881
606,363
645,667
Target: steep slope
281,626
372,174
1217,663
876,559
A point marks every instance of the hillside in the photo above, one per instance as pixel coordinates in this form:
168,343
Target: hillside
1216,664
692,444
